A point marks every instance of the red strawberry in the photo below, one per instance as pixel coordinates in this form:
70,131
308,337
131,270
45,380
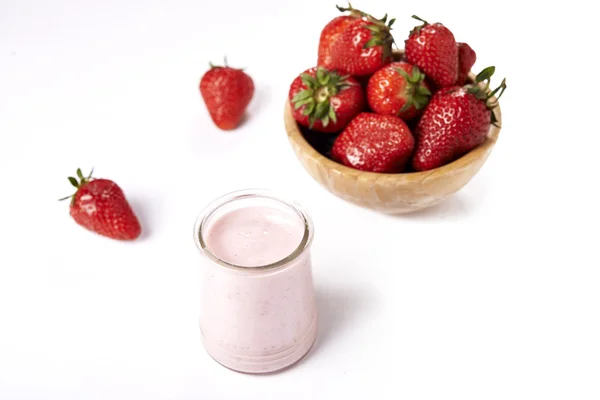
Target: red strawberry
374,142
363,47
325,101
332,31
99,205
398,89
329,35
226,92
456,120
466,60
433,49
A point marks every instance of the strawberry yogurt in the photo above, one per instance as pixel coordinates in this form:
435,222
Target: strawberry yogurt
258,309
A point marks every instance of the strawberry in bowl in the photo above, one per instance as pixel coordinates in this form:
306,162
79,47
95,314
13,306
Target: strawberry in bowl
421,125
324,100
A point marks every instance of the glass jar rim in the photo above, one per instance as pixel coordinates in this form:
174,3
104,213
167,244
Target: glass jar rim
258,193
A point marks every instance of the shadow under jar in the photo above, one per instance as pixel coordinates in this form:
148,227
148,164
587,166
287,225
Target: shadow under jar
258,309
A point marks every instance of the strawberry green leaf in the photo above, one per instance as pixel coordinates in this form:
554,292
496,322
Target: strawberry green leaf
325,121
404,108
309,81
417,29
305,94
74,182
420,101
320,75
500,88
403,74
374,41
423,91
79,174
302,102
420,19
332,115
309,108
485,74
322,109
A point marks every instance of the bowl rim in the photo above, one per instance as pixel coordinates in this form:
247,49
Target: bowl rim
295,135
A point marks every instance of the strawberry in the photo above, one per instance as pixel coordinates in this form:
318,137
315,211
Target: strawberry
325,101
398,89
456,120
226,92
329,35
332,31
363,47
99,205
466,60
433,49
374,142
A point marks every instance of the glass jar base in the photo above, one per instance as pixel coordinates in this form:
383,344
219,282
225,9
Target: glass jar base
263,363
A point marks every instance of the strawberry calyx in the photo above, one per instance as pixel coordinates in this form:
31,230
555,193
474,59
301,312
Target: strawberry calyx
380,35
417,29
78,183
380,32
353,11
416,94
318,93
225,65
379,28
483,93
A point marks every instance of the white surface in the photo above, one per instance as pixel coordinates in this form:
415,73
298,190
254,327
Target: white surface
493,295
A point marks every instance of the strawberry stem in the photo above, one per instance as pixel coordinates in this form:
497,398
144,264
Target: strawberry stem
225,64
353,11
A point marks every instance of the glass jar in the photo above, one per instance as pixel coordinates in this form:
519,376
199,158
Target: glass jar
258,309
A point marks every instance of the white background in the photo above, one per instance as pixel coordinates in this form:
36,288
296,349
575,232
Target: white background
493,295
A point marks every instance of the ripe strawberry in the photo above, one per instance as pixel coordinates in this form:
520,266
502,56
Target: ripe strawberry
374,142
456,120
324,101
332,31
466,60
433,49
398,89
99,205
329,35
226,92
363,47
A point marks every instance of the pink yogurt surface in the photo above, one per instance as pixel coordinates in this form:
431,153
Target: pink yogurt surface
254,236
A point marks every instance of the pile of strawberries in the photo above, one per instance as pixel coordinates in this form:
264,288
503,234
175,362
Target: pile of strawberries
391,112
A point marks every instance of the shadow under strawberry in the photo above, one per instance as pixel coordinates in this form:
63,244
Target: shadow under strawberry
321,142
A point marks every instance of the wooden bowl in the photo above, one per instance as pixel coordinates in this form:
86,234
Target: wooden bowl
390,193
